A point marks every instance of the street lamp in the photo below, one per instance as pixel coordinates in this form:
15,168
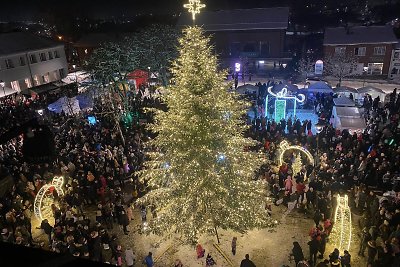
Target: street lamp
284,65
365,70
2,84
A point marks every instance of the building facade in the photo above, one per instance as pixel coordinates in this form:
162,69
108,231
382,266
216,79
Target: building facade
255,38
394,69
27,61
371,46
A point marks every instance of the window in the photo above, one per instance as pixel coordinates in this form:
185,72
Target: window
9,64
36,80
28,83
43,57
32,59
46,78
56,55
375,68
15,86
359,51
380,51
50,55
62,73
21,61
340,50
396,55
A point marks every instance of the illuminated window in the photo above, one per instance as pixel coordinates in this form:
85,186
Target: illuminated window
375,68
36,80
28,83
15,86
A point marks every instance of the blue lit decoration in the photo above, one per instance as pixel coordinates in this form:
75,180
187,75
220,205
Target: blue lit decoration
92,120
281,98
221,157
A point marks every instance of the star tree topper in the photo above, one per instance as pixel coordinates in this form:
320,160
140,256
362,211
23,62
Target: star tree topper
194,7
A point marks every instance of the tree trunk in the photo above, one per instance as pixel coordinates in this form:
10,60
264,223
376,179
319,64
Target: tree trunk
216,233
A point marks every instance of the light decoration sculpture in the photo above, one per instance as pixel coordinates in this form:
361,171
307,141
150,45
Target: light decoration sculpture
283,95
284,146
341,232
44,198
194,7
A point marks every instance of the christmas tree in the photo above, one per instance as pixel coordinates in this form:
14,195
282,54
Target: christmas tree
202,177
297,164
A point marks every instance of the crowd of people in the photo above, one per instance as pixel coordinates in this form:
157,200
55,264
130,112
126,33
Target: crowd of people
363,165
98,167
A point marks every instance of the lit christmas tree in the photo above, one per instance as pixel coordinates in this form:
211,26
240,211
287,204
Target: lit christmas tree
201,179
297,164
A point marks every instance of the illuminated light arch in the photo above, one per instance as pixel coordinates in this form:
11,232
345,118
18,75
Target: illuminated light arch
42,204
341,231
284,146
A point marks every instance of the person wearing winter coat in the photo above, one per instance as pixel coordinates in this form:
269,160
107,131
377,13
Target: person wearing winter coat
130,257
124,221
297,252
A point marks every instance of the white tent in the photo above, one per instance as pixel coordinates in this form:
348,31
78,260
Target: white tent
248,88
373,91
343,102
349,118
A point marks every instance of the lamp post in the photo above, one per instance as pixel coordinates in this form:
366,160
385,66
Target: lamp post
148,75
365,70
319,127
2,84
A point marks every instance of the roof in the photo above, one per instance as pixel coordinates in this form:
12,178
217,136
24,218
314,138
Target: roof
239,19
359,35
343,102
347,112
352,123
345,89
96,39
321,87
19,42
368,89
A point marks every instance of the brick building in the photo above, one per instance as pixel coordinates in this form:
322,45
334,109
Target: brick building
371,45
256,35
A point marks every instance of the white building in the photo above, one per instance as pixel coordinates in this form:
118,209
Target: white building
394,69
28,61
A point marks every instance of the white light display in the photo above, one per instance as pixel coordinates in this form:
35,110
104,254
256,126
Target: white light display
44,198
283,94
341,233
284,146
194,7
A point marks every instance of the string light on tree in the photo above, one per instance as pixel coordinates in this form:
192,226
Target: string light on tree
209,183
44,198
194,7
341,232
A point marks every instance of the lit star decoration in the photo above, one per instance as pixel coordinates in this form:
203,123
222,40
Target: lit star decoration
341,232
210,180
194,7
43,202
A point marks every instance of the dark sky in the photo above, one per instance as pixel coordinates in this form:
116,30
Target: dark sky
14,9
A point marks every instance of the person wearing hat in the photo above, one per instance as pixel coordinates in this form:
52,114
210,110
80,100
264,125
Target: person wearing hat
371,251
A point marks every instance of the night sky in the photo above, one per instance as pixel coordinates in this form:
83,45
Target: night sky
31,9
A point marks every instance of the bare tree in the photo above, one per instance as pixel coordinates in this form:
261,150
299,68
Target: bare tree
341,65
304,67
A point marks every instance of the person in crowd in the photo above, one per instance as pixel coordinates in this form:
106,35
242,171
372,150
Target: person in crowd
246,262
297,252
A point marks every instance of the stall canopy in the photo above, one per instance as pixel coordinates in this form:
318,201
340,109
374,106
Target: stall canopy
247,89
290,87
320,87
343,102
348,118
138,77
40,89
345,89
71,105
373,91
